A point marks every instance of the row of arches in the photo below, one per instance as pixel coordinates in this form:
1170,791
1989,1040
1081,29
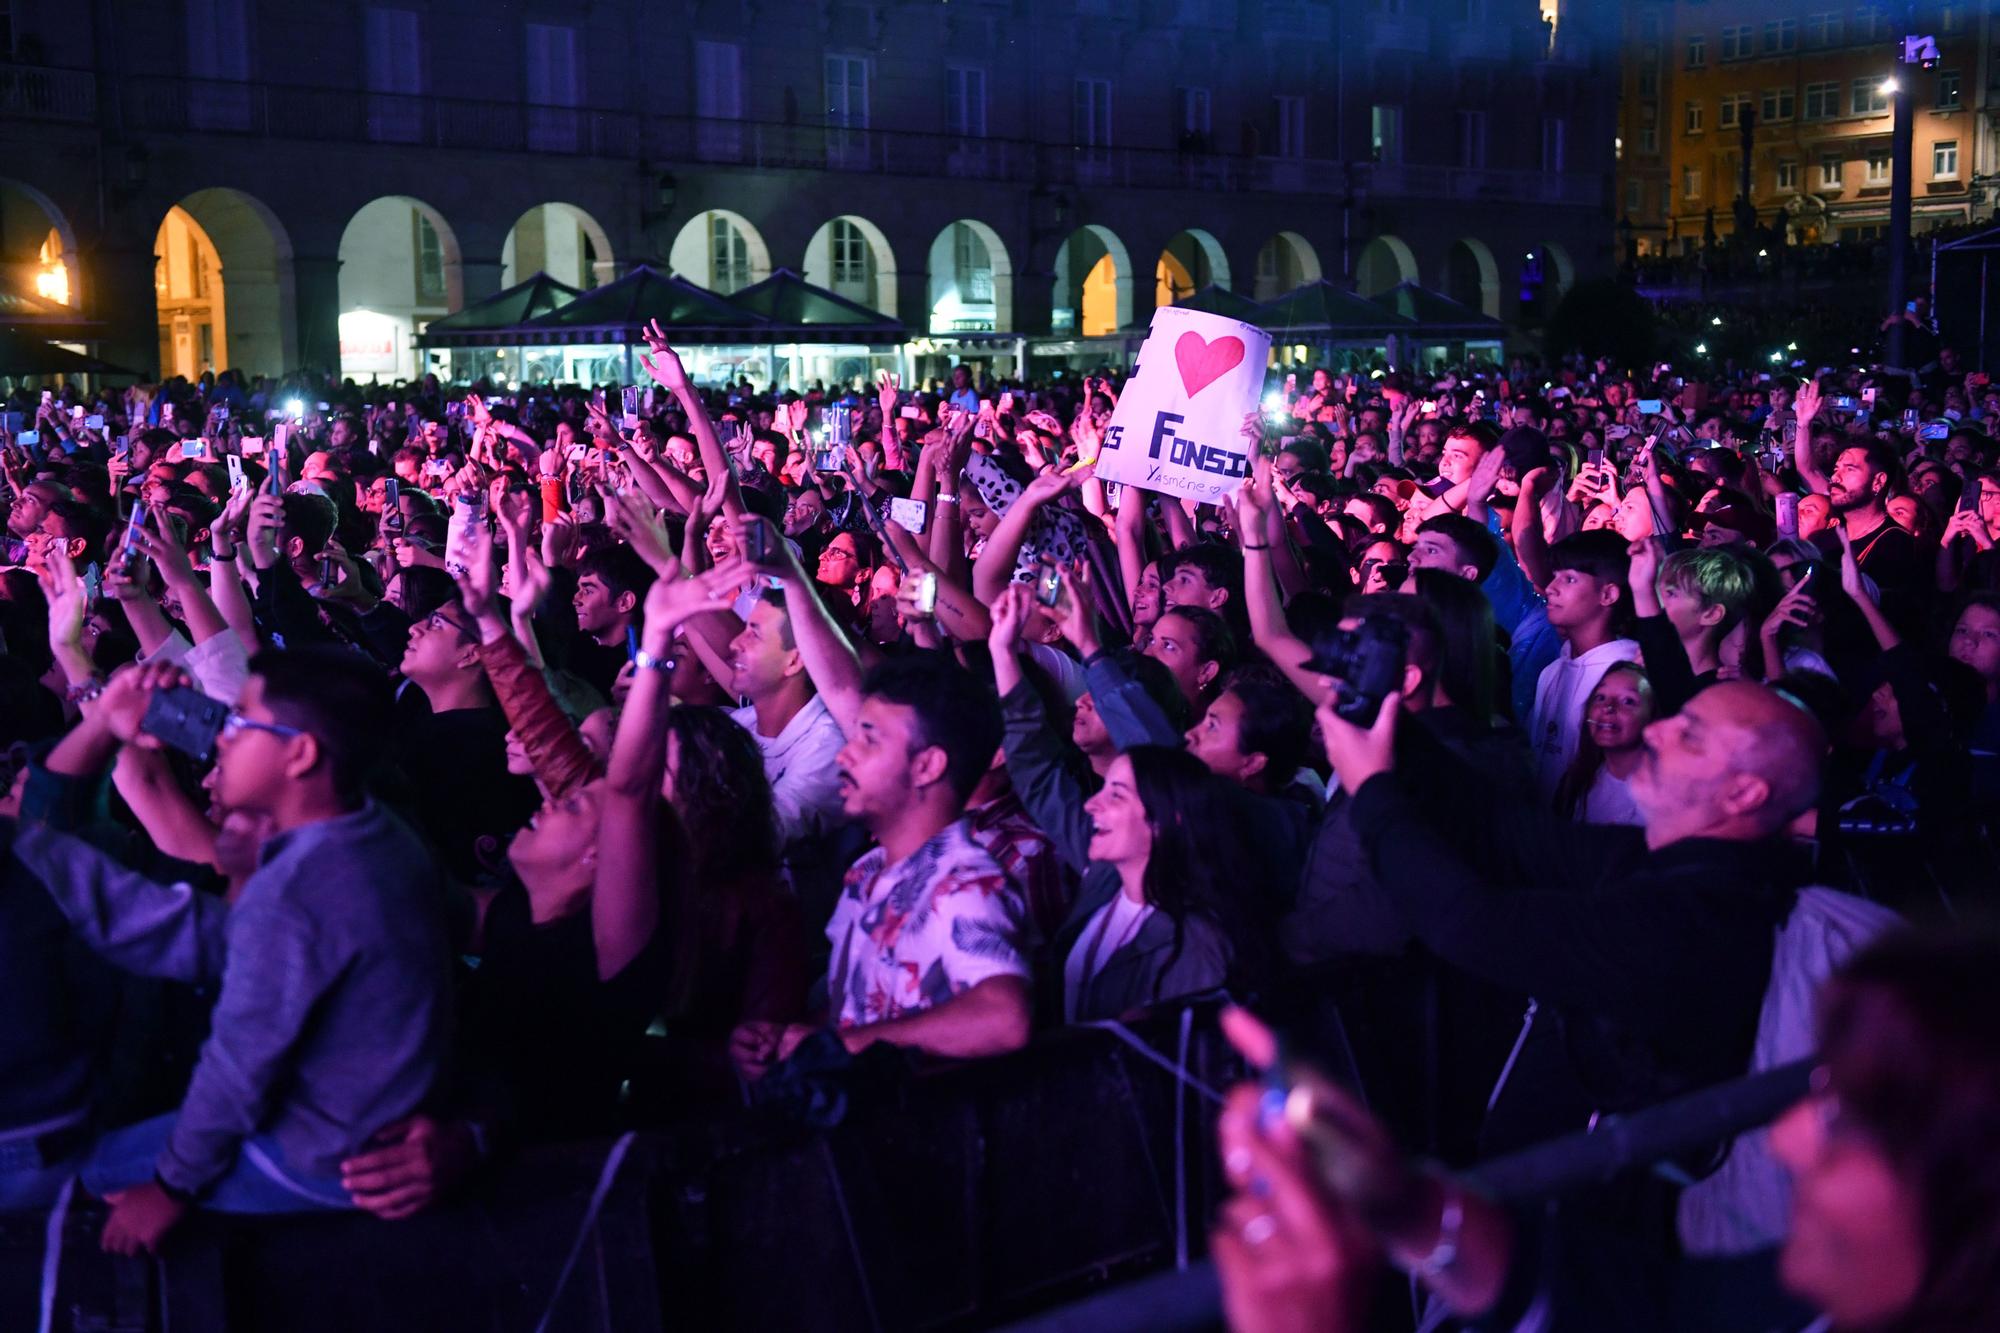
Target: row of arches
225,284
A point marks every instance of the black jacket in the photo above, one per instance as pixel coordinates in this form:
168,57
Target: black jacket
1649,967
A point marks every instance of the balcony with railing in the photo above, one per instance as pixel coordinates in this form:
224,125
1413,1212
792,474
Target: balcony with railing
169,106
31,92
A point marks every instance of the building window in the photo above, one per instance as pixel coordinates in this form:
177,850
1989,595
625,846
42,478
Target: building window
1191,110
1788,175
965,103
1822,101
1733,107
718,80
1736,42
1649,80
1472,138
1949,92
1385,133
1635,195
1649,24
1829,173
1690,182
1697,51
850,254
1692,123
1649,139
1878,170
1781,35
1944,160
1870,21
1090,113
1777,104
1868,97
728,256
847,92
430,263
1291,126
1823,29
1555,130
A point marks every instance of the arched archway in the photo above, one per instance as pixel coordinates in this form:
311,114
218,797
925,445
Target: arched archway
1286,263
37,247
1093,291
1192,260
721,251
1545,275
851,257
971,280
1472,277
1385,262
222,263
399,269
560,240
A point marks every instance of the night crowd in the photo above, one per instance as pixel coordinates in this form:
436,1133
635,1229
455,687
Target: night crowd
398,776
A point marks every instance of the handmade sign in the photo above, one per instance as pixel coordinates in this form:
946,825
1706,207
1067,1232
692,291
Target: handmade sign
1179,421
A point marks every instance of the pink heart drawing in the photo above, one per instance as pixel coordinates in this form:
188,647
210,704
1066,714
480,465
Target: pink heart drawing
1202,362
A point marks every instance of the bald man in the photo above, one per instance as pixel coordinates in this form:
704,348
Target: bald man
1648,952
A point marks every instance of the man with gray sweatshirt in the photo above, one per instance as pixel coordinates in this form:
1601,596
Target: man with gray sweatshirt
333,1012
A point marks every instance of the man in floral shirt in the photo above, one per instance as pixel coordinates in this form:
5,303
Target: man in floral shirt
930,938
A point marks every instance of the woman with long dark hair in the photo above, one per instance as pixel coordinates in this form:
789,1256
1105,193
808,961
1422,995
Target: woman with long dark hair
737,947
1158,917
1593,790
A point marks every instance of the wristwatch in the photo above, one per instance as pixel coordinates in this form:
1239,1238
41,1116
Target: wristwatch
645,661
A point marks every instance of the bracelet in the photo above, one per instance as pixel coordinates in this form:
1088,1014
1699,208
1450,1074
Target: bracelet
85,690
1445,1252
945,499
645,661
229,554
1256,546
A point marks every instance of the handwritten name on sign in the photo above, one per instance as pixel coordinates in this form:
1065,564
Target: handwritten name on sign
1178,425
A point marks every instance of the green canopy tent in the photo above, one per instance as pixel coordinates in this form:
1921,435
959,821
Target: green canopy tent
802,312
812,334
524,301
559,333
1214,300
38,317
1442,324
1329,317
25,354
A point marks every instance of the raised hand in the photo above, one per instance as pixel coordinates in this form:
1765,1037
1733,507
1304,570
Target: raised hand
886,388
1806,406
1011,610
664,364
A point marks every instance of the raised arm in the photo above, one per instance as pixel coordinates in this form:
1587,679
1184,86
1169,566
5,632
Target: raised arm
994,569
664,365
829,656
1804,410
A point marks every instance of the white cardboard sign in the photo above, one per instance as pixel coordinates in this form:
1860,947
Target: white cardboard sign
1178,427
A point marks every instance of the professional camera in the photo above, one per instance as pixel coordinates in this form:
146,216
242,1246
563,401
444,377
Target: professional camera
1367,661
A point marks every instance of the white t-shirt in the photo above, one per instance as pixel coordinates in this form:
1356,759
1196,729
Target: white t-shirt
805,782
1609,801
1560,698
1110,928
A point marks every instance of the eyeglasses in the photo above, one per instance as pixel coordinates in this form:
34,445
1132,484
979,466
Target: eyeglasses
234,724
439,620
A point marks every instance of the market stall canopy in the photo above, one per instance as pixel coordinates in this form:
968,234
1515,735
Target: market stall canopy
1214,300
801,312
524,301
23,353
1436,314
1328,310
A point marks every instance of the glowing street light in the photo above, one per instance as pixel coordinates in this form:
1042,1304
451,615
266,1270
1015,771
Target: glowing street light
1701,349
1717,321
1889,86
